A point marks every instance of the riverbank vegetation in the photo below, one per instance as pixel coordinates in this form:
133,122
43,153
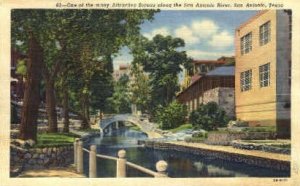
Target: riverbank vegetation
54,139
209,117
182,128
171,116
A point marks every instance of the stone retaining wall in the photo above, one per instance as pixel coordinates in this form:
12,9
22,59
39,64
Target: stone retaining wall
251,160
219,138
41,158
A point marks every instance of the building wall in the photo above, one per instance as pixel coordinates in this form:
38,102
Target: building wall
211,95
283,88
223,96
257,104
265,105
227,100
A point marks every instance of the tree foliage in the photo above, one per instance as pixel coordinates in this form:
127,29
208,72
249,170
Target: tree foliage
140,88
171,116
80,37
120,101
209,117
162,59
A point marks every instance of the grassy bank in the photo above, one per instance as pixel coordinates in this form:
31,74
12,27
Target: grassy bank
181,127
54,139
136,128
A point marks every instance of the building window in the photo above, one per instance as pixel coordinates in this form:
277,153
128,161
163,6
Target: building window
246,43
264,75
265,33
246,80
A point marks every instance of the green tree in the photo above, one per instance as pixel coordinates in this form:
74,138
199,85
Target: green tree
102,86
171,116
163,60
140,88
54,32
209,117
120,101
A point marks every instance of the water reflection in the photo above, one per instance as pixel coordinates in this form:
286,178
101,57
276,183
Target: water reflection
180,164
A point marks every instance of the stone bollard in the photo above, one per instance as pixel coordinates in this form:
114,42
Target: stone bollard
75,151
79,157
121,164
93,162
117,125
161,167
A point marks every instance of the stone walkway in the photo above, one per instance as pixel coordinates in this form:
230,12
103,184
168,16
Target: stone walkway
68,172
230,149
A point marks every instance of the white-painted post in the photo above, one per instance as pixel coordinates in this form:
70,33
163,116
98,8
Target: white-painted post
121,164
79,157
161,167
75,151
93,162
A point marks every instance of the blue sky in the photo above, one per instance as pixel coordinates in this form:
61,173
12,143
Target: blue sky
207,34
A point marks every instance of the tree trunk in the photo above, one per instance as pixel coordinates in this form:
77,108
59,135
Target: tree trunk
86,112
66,109
28,127
51,105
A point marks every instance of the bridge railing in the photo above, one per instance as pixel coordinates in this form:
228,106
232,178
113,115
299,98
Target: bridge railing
161,166
143,121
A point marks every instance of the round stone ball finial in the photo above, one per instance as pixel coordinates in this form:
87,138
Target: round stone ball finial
122,153
93,147
161,166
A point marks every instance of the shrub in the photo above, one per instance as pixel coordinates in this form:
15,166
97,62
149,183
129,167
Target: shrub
200,135
237,123
182,127
171,116
260,129
209,117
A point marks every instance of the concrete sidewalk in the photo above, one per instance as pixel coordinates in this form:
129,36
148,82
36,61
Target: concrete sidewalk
68,172
230,149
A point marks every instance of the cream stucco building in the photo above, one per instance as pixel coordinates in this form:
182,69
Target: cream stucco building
263,66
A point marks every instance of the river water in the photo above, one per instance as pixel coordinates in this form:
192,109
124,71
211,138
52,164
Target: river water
180,164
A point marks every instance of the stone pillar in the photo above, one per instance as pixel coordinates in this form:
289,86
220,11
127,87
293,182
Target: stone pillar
161,167
117,125
121,164
93,162
75,151
79,157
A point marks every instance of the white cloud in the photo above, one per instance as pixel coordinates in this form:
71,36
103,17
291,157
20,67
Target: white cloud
199,33
162,31
222,40
204,28
200,30
187,35
200,54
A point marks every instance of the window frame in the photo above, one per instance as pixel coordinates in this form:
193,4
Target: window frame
265,33
246,45
264,75
246,80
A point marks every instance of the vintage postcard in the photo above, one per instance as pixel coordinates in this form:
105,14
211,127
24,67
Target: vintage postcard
144,92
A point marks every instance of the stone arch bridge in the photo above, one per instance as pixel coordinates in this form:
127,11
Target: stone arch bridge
143,123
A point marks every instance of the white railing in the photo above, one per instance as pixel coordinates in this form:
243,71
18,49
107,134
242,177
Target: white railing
161,166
